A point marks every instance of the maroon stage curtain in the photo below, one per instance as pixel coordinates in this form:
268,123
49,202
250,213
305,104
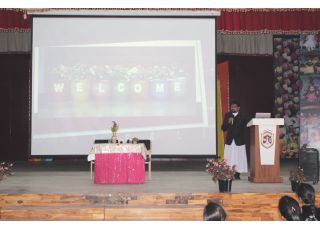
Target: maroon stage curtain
268,20
11,19
230,21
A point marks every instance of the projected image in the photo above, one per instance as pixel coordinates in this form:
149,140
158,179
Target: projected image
310,111
310,124
135,83
74,81
310,92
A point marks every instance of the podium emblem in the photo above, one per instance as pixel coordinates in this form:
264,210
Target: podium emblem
267,138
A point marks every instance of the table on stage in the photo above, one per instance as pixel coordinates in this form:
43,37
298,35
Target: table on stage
118,163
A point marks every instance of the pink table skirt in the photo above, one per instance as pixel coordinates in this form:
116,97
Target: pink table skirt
119,168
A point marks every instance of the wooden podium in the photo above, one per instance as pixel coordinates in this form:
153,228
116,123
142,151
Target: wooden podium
265,150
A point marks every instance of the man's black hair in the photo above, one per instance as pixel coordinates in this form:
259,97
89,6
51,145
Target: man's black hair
235,102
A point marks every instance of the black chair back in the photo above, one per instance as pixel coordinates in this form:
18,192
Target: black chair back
146,142
102,141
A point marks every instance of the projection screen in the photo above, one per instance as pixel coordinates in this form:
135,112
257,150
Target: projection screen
154,76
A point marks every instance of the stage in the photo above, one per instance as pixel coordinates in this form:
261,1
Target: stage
178,190
168,175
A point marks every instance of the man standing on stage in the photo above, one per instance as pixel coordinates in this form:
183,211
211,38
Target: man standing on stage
235,123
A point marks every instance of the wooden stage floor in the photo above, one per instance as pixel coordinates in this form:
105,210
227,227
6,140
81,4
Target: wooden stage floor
167,176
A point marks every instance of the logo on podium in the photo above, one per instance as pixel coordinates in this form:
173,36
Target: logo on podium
267,138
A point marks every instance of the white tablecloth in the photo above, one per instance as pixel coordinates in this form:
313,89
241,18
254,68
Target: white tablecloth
117,148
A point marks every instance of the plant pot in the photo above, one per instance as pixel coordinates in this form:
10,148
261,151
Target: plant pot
225,185
294,185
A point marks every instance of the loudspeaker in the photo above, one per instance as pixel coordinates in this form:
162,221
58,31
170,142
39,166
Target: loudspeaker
309,162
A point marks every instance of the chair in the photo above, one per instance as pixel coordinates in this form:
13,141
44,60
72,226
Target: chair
102,141
147,143
98,141
91,167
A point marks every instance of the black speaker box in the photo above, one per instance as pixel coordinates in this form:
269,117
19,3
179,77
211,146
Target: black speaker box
309,162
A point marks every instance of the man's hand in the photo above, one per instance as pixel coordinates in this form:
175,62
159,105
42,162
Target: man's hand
230,121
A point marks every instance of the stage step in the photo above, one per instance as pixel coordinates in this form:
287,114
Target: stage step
51,213
42,199
177,212
122,206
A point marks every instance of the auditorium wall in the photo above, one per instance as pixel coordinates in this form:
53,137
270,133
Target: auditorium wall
251,82
14,100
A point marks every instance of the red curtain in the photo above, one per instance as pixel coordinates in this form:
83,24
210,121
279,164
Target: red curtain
231,20
269,20
11,19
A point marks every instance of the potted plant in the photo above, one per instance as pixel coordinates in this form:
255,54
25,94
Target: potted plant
221,172
296,177
5,170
